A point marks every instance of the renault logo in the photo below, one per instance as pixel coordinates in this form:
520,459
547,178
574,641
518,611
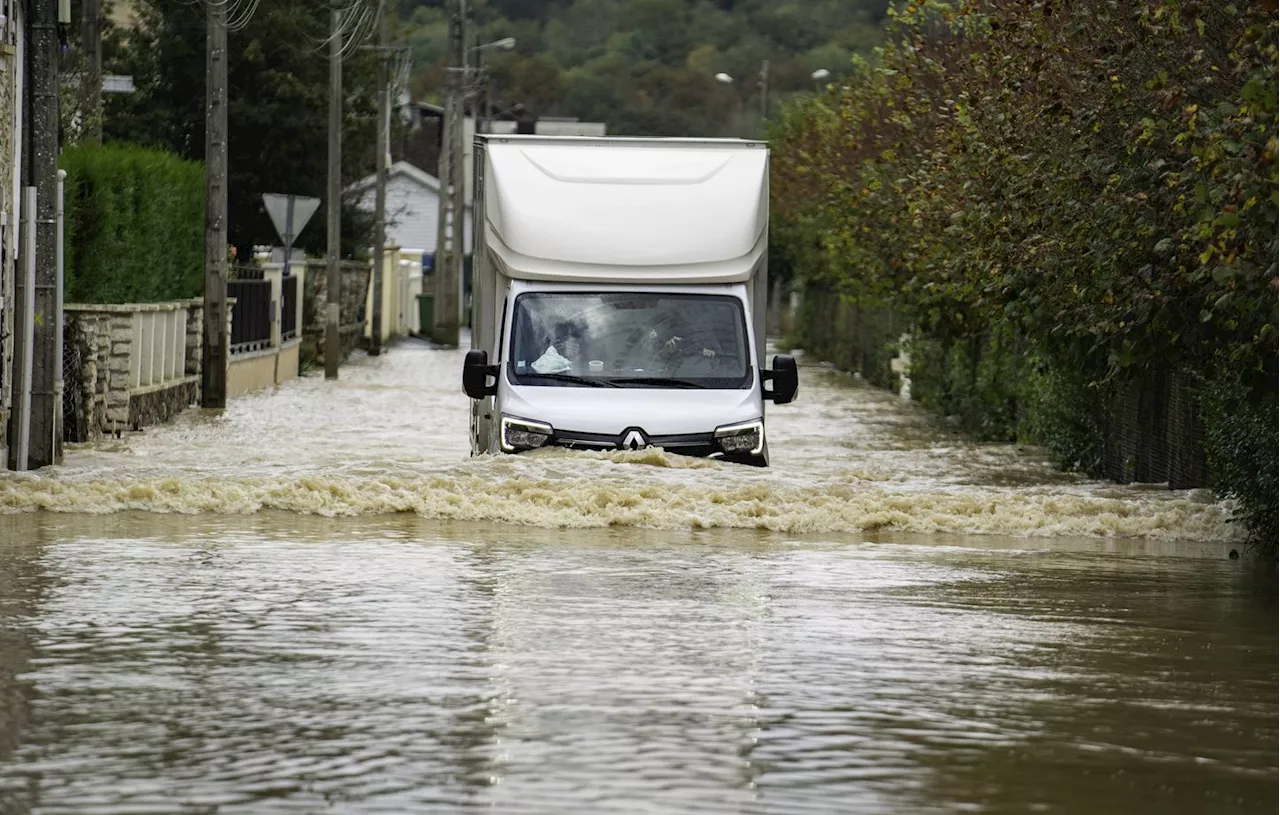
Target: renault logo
634,440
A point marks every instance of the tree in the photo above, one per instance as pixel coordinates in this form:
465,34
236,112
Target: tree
277,109
645,67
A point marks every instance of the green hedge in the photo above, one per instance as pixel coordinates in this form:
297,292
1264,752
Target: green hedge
134,225
1073,210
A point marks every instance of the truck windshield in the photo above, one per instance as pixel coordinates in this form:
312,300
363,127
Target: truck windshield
629,339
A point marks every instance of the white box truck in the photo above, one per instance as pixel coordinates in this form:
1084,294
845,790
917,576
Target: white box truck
619,296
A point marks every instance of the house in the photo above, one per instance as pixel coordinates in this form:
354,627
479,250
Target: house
413,206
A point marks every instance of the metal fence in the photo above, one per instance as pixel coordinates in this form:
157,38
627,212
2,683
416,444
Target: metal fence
75,420
1148,427
1153,432
246,273
251,314
289,307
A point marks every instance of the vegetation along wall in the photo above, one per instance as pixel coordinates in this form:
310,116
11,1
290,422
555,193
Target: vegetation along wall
134,225
1071,208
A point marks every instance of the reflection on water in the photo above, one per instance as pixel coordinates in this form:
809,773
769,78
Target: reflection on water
391,436
303,604
280,663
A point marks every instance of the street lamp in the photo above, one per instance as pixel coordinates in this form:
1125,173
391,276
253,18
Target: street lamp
763,79
504,44
819,76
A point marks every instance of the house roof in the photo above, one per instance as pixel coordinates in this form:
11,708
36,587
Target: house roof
402,168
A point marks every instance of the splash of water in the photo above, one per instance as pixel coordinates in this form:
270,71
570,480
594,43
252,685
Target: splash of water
386,439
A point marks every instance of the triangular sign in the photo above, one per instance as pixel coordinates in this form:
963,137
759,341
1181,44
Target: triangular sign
289,223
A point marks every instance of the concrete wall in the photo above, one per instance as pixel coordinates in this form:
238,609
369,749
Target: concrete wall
401,283
253,371
264,369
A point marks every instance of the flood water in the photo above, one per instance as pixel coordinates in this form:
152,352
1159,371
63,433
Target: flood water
315,602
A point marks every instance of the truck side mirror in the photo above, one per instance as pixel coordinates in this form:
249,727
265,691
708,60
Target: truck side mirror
476,371
785,378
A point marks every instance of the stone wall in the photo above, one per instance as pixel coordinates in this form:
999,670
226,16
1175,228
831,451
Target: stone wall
87,341
355,292
8,247
161,404
118,377
100,397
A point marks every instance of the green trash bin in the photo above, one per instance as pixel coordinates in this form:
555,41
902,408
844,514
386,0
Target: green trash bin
426,314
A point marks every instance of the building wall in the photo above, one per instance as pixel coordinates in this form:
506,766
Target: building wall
412,213
9,93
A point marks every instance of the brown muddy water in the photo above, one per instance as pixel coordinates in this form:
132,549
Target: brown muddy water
314,602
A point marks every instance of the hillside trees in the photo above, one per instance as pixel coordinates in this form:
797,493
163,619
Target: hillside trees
647,67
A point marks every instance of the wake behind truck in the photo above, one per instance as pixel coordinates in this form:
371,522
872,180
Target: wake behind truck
619,296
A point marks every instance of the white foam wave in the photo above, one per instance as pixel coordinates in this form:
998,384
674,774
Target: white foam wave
648,489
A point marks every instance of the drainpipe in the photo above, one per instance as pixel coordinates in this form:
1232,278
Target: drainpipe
59,321
28,318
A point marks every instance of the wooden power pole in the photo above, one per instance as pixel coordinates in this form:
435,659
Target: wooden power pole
213,362
448,260
91,47
380,205
333,307
44,177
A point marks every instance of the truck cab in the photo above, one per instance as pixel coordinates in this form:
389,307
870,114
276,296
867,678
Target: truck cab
619,295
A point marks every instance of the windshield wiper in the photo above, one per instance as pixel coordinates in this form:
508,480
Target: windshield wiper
659,381
577,380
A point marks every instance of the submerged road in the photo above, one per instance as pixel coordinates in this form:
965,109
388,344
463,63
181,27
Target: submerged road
316,602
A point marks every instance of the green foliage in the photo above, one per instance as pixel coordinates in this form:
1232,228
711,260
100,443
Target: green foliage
1093,184
980,381
1240,444
134,225
647,67
277,113
1064,415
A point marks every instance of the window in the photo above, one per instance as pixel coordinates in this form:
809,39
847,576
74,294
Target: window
629,339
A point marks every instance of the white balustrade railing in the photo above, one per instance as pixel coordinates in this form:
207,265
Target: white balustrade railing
159,350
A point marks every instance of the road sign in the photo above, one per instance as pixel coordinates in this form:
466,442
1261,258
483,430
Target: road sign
290,214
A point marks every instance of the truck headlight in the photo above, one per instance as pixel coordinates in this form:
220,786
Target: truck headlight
522,434
747,438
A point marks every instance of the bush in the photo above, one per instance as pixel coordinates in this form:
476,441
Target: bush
1240,445
982,382
1075,208
134,225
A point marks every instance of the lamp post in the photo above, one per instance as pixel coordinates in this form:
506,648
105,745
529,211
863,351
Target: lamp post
504,44
763,83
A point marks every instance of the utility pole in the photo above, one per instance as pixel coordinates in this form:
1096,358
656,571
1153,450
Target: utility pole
91,45
380,205
44,177
452,209
333,308
440,262
764,95
213,370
